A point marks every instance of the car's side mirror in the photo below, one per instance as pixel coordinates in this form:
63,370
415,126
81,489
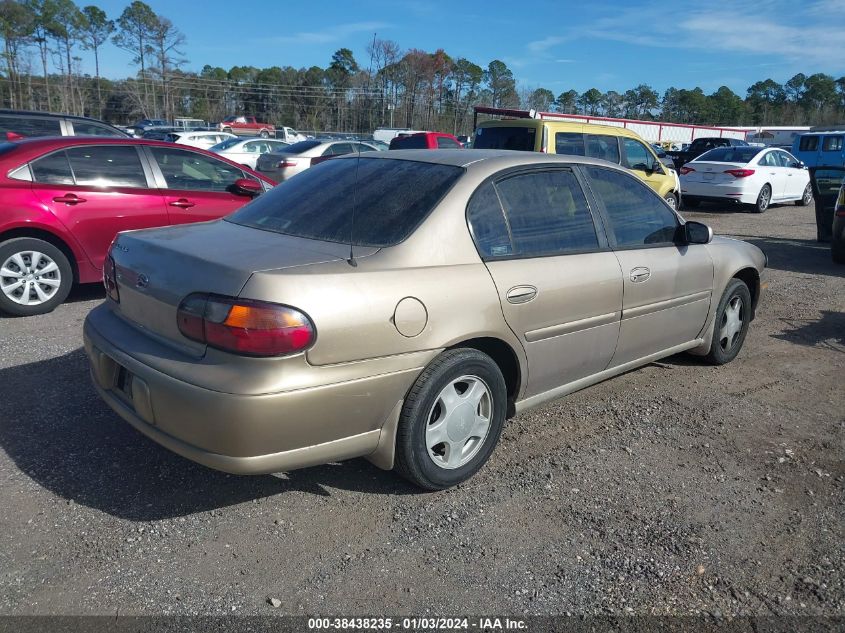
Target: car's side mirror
697,233
247,187
799,164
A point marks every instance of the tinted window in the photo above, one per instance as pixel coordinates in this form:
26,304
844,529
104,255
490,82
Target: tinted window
638,156
109,166
832,144
302,146
444,142
602,146
487,223
30,126
89,128
409,142
52,169
229,142
569,143
183,169
638,216
518,138
808,143
391,198
729,155
547,213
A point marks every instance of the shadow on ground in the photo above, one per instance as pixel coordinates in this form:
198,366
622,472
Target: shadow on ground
794,255
57,430
828,331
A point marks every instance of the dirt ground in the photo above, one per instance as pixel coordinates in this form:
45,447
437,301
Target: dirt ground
677,488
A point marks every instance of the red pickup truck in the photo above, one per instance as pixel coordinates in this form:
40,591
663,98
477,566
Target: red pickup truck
246,126
425,140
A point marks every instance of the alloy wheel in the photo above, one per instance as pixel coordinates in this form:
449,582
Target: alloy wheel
732,321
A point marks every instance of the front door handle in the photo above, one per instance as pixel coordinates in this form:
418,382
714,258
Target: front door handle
640,274
521,294
69,198
182,203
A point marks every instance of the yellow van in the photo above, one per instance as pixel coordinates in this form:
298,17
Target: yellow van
615,144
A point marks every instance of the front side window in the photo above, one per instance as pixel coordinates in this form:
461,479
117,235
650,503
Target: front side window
52,169
487,223
183,169
107,166
638,156
808,143
569,143
547,213
638,216
832,144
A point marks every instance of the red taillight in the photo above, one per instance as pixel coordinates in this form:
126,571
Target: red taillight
110,279
244,326
686,170
740,173
288,163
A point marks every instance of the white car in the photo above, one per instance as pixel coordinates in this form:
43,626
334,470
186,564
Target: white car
289,161
247,150
746,175
203,140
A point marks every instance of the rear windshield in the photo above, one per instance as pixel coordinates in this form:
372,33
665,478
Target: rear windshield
302,146
517,137
729,155
225,144
409,142
391,199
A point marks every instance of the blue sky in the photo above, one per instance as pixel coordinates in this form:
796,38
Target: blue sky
557,44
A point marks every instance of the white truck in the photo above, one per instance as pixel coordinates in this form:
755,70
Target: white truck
289,135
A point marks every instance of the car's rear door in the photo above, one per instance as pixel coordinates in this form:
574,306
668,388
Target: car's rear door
196,187
667,285
559,284
774,174
97,191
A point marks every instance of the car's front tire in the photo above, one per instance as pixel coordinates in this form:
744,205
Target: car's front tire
730,325
264,134
764,199
672,200
451,419
35,276
806,197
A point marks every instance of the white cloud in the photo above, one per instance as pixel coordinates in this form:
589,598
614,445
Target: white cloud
541,46
330,34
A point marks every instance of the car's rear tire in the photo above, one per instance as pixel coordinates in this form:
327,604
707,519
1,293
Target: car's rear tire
730,325
764,199
227,130
672,200
691,203
806,197
264,134
451,419
35,276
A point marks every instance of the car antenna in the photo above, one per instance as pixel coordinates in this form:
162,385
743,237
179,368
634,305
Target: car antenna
351,261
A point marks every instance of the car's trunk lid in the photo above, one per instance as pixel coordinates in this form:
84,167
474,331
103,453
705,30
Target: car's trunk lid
712,172
158,268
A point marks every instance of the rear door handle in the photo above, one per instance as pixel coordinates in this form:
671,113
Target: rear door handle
182,203
521,294
640,274
69,198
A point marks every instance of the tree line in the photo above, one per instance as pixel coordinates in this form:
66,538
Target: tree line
43,69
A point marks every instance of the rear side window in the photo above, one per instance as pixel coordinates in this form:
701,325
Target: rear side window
569,143
89,128
547,213
808,143
487,223
390,199
602,146
53,169
107,166
516,138
832,144
302,146
30,126
444,142
638,216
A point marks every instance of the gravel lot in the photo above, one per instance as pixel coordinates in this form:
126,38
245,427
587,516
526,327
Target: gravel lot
678,488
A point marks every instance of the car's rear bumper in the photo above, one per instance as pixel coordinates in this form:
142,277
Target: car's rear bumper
717,192
246,434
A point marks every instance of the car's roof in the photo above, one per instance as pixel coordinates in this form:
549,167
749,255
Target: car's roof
469,157
51,115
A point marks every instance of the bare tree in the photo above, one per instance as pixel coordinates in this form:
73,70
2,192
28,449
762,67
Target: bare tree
135,34
166,41
96,29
